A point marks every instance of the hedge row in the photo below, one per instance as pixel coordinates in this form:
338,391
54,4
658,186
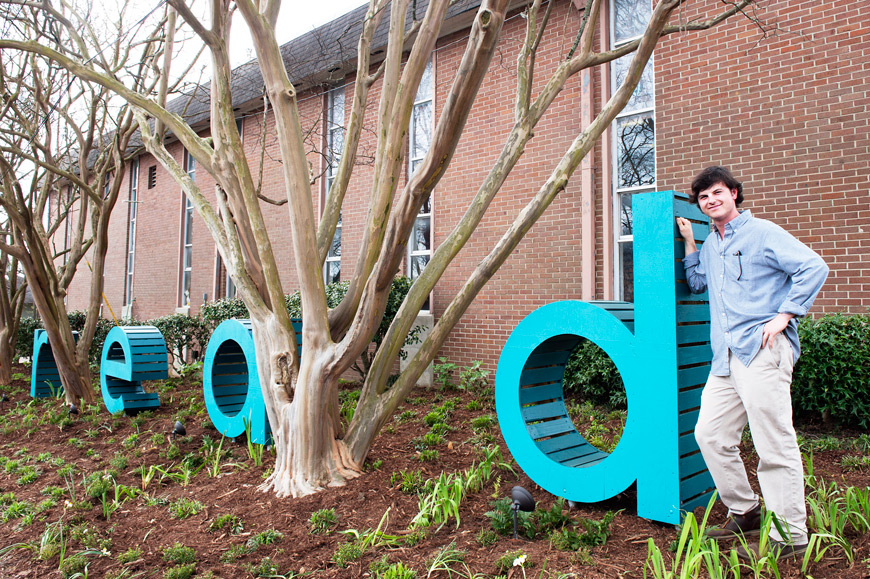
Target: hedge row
192,332
831,379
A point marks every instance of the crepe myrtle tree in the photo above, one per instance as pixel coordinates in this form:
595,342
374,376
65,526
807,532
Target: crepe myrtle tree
12,294
300,391
64,143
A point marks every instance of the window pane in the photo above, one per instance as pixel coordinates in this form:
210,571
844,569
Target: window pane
422,129
188,252
636,151
336,109
427,206
627,271
336,144
335,247
420,239
630,18
188,228
414,165
424,91
625,218
418,263
333,271
642,97
231,287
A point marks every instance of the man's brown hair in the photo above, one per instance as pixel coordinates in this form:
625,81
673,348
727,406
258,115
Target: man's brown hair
712,175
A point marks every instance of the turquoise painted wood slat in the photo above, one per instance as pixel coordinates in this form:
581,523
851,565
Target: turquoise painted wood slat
687,355
695,376
687,421
540,393
570,440
544,411
697,484
542,375
586,461
643,341
693,334
692,463
544,359
550,428
126,363
690,398
693,313
574,453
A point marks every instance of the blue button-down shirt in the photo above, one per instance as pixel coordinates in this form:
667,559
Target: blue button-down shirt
752,273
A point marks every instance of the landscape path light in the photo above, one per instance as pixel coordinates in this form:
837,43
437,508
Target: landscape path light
522,501
178,430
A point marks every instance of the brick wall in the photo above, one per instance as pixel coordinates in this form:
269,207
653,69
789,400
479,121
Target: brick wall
788,112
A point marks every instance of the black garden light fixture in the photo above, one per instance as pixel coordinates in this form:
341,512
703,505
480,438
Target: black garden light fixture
3,400
522,501
178,430
73,410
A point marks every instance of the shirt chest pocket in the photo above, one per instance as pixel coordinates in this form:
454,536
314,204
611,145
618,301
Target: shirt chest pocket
750,268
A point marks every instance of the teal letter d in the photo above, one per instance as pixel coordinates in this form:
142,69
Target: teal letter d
659,344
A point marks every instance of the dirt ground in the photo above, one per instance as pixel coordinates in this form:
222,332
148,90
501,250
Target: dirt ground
101,441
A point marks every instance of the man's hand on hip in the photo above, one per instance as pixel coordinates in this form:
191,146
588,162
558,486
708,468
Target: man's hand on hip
774,327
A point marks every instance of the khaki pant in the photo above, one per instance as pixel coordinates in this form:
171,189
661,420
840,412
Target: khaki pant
761,395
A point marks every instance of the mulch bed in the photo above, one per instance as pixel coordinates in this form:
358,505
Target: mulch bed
359,505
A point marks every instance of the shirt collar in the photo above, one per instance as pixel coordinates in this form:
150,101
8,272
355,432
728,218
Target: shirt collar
740,220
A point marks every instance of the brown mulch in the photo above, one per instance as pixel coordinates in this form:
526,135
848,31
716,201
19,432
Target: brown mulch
360,505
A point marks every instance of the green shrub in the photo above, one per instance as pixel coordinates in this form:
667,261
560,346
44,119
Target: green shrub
591,375
180,571
24,341
265,568
178,553
346,553
228,522
184,508
266,537
323,521
398,571
832,376
181,331
502,519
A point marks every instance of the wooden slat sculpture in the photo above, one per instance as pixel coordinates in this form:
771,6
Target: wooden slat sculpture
44,377
231,384
659,344
132,354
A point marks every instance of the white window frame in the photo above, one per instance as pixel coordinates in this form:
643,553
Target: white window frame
186,261
131,232
334,127
623,241
425,96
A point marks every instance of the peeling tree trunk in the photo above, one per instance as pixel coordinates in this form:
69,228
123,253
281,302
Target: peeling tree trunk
7,355
304,422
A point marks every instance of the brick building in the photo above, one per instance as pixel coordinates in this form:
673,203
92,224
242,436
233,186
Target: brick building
786,109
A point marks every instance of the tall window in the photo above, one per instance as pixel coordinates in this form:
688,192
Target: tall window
187,235
334,146
131,230
634,147
419,141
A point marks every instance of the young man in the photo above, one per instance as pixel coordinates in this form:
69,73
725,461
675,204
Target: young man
759,280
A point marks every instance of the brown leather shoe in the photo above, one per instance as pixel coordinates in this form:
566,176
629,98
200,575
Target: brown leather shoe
748,525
